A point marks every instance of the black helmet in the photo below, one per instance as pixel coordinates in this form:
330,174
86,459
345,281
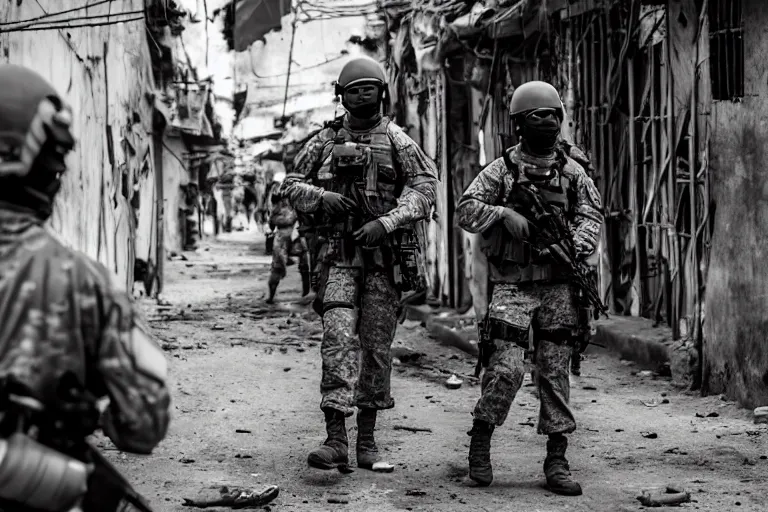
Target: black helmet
361,70
34,138
534,95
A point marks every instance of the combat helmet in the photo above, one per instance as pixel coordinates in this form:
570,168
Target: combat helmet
534,95
34,138
360,70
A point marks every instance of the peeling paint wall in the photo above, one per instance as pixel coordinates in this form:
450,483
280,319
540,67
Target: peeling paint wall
736,347
104,73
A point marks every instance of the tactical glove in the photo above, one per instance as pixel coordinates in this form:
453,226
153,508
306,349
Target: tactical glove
560,254
371,234
335,204
516,224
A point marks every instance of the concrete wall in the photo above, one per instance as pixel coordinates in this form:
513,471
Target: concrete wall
104,73
736,346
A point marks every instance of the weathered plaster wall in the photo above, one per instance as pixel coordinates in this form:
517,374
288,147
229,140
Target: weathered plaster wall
736,346
175,176
104,73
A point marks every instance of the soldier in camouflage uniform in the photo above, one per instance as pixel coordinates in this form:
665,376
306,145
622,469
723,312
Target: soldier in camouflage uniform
367,185
62,313
529,283
282,222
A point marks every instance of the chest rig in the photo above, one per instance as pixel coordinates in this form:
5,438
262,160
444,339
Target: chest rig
363,169
514,261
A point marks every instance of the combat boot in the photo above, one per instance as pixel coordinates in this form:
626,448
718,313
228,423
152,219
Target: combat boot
306,283
272,292
576,363
480,469
334,452
367,452
556,468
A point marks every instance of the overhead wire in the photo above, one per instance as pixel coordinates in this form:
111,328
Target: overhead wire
54,26
52,14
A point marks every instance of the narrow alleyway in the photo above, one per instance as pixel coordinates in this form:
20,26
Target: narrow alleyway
245,385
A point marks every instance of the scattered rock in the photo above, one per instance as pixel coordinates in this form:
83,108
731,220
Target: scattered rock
338,501
589,388
286,369
382,467
242,431
649,435
453,382
217,327
761,415
415,492
186,461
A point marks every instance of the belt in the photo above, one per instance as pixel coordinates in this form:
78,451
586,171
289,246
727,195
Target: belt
529,273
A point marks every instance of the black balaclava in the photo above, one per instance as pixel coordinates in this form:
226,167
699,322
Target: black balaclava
365,109
37,190
539,133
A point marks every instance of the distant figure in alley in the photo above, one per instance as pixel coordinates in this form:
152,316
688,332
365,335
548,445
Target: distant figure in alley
529,274
367,186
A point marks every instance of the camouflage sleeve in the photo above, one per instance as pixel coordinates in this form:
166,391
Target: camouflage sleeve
418,197
304,196
479,207
134,371
588,214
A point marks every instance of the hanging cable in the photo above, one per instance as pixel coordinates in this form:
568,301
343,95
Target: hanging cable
50,15
52,26
290,57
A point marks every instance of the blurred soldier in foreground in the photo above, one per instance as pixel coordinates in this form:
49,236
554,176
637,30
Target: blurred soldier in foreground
368,186
282,222
541,215
69,334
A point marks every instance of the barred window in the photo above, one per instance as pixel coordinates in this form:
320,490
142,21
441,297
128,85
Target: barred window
726,49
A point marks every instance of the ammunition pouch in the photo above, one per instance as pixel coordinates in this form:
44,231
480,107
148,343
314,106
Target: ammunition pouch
408,275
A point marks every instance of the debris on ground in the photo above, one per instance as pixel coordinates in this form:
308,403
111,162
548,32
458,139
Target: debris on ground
382,467
411,429
453,382
761,415
672,495
237,498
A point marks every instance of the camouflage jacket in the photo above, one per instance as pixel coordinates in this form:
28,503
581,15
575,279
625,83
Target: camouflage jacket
418,177
481,205
283,215
63,312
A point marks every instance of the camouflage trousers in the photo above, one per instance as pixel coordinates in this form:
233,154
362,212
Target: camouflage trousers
359,322
551,310
284,247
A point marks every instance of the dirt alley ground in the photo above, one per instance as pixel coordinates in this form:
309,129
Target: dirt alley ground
245,388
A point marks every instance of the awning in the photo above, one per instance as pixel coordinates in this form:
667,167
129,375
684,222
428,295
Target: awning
256,18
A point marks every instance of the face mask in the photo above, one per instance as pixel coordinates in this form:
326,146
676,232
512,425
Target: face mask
363,111
539,132
365,106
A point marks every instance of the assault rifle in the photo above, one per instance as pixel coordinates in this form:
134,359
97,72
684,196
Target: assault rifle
64,428
552,229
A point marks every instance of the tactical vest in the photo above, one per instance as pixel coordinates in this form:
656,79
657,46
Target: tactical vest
512,259
363,169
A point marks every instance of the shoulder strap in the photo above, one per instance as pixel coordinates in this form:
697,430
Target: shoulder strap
511,166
